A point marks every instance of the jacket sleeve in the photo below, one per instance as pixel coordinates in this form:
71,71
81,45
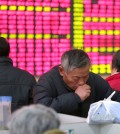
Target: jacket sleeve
106,90
103,89
46,94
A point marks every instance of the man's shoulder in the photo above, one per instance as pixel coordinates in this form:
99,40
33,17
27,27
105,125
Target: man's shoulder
52,72
94,76
21,72
51,75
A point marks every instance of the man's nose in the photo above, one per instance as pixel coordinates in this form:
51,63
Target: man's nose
81,82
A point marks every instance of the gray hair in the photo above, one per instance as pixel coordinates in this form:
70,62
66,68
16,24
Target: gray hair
33,119
74,59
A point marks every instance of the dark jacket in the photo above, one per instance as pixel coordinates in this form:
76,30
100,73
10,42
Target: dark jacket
52,91
114,81
16,83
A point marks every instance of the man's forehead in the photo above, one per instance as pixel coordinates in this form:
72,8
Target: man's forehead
79,72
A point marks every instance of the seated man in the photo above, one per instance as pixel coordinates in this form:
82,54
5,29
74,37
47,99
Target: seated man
14,82
33,119
70,87
114,79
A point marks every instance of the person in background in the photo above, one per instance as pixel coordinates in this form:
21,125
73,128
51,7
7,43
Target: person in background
33,119
114,79
14,82
70,87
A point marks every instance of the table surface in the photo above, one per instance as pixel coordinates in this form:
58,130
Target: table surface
80,126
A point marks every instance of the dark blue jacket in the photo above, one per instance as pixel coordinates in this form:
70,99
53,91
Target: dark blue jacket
16,83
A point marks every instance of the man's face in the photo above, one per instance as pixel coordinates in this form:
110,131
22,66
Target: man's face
76,77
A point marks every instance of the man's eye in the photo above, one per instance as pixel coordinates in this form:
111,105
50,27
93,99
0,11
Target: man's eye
76,78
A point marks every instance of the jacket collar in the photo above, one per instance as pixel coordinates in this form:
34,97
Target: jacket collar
6,61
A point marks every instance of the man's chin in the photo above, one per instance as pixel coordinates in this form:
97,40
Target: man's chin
74,89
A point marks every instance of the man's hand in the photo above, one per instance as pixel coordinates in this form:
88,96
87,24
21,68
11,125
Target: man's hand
83,91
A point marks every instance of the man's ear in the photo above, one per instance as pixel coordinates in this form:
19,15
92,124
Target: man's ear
61,70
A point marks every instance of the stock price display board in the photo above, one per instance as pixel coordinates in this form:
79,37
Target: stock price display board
96,29
39,31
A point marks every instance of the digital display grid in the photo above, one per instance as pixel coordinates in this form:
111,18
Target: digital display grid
96,29
40,31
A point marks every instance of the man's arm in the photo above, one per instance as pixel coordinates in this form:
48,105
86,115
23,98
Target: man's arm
45,93
106,90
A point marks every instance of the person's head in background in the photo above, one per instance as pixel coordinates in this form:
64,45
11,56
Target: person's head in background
115,65
74,68
4,47
33,119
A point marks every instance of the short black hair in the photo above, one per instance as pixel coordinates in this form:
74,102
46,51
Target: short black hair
4,47
116,61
